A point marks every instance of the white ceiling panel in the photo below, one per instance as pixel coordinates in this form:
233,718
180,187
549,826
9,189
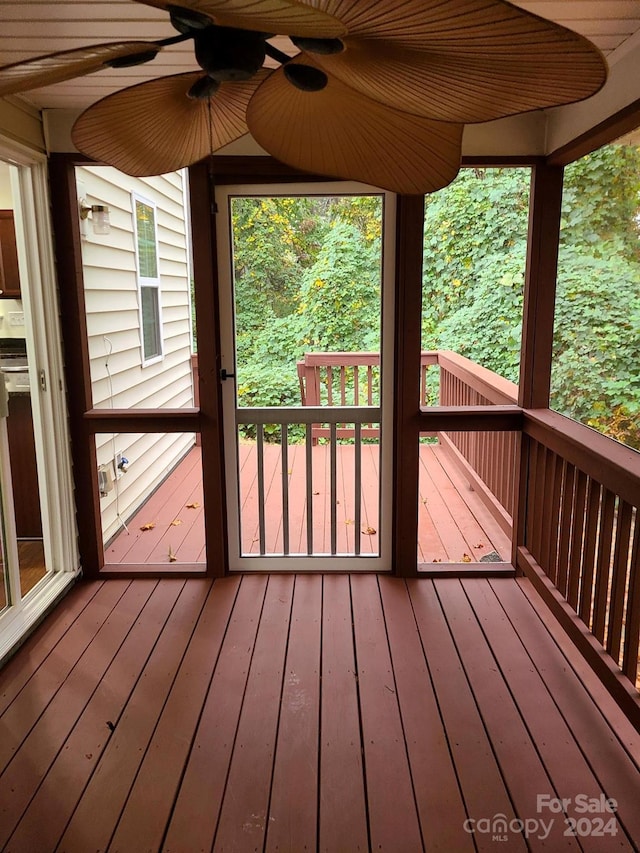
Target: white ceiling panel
33,28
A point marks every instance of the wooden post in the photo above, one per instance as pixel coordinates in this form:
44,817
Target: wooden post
66,231
538,316
205,272
407,359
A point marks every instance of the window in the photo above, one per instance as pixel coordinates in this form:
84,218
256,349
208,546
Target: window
148,279
596,347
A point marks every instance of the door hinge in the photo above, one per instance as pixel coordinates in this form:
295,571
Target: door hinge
225,375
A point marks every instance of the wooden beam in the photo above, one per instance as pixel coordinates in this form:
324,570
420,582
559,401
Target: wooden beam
470,418
66,232
205,272
612,128
141,420
540,286
538,318
258,170
407,353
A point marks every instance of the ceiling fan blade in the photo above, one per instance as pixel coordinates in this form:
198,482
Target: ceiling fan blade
463,60
282,17
464,87
58,67
340,133
154,127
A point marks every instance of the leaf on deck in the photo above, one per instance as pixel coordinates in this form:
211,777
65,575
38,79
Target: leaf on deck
176,522
149,526
193,505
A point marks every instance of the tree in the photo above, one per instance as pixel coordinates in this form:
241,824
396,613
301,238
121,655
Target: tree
339,301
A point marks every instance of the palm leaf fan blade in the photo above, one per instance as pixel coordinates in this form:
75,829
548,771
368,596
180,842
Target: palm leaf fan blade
155,127
464,60
339,133
286,17
66,65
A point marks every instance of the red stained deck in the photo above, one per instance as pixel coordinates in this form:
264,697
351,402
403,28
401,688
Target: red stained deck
454,524
291,713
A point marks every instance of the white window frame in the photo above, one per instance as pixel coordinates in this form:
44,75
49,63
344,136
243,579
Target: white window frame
30,190
146,281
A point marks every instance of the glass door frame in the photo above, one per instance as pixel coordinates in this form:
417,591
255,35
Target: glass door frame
31,202
341,562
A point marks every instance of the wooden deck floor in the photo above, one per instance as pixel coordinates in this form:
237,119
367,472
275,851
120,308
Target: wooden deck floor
454,524
301,713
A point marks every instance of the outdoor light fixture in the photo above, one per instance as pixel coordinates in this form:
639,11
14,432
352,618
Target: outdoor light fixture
99,216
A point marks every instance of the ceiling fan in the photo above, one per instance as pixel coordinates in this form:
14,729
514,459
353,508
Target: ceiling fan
379,90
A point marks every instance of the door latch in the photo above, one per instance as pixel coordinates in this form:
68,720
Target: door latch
225,375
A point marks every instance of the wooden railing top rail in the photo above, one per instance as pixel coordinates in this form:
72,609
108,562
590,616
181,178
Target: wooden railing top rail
497,390
603,459
357,359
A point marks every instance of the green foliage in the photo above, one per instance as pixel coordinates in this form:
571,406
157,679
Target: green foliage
473,270
339,301
307,277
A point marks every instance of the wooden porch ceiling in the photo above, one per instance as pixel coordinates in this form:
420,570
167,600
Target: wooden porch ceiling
33,28
288,713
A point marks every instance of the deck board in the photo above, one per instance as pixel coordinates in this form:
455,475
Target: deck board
454,524
569,770
96,816
291,713
481,781
245,809
44,820
526,778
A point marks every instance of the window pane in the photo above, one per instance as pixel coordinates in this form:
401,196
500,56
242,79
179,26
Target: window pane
149,297
596,343
151,500
475,241
146,229
123,310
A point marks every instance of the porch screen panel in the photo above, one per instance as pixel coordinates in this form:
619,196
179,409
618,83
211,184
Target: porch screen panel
596,344
140,318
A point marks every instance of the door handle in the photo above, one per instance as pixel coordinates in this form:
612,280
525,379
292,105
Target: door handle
225,375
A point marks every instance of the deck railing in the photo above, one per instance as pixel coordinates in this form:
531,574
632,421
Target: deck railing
583,528
284,419
488,459
490,456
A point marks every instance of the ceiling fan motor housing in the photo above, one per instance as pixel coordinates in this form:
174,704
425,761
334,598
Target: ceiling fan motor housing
227,54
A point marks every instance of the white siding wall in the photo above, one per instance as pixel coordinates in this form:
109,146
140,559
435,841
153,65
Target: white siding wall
119,379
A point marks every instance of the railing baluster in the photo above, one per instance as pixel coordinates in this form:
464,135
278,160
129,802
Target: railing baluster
632,627
577,538
554,514
589,556
358,487
549,526
285,486
261,521
334,488
309,464
619,580
566,512
329,386
356,386
607,515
